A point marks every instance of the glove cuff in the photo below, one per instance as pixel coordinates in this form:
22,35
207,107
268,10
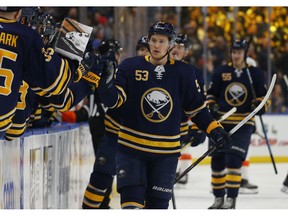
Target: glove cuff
194,127
213,125
92,78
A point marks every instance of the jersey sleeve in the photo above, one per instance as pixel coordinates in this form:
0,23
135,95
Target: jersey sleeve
69,98
193,101
116,95
47,72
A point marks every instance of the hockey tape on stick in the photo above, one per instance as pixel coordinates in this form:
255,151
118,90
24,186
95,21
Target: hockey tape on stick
240,124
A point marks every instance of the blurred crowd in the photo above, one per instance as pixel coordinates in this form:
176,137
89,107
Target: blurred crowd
222,24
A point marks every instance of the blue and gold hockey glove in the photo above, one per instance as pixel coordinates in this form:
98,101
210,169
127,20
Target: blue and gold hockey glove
264,109
91,69
219,136
195,136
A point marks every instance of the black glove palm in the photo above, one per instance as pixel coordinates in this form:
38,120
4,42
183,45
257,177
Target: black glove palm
194,137
221,139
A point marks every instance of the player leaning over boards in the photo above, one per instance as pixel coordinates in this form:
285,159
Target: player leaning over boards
153,91
24,57
231,87
59,96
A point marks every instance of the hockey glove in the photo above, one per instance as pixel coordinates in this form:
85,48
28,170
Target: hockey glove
195,137
256,102
91,69
221,139
214,110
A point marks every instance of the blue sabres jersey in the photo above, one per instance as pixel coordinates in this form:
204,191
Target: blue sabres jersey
23,57
33,109
152,99
231,88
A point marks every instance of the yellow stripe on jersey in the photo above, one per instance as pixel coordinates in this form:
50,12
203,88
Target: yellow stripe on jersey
6,120
164,151
60,84
112,121
150,135
111,130
184,128
194,112
121,97
147,142
66,104
238,117
110,125
16,130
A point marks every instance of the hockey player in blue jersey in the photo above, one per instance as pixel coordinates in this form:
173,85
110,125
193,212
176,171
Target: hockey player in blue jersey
99,188
230,87
190,135
152,92
24,57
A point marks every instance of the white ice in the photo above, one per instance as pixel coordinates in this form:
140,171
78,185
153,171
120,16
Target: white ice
196,194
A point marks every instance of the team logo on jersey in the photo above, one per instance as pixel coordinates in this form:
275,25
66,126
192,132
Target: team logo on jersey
236,94
238,72
156,105
159,71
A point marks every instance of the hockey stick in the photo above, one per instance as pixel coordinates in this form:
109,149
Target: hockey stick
262,123
225,116
240,124
286,80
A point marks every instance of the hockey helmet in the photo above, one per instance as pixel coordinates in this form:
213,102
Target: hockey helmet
163,28
29,16
109,45
183,39
240,44
142,42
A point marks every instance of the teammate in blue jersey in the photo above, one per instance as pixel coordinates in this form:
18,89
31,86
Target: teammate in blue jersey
24,57
230,87
99,188
104,169
152,92
190,135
